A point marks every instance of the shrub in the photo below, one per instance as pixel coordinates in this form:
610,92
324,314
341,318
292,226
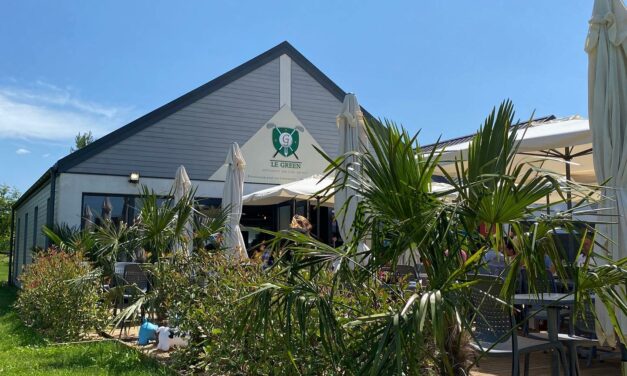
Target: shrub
203,297
206,297
60,296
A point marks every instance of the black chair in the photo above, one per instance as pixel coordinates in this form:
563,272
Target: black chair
134,275
494,333
541,285
135,283
584,327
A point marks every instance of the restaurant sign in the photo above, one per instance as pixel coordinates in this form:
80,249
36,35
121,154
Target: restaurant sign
281,151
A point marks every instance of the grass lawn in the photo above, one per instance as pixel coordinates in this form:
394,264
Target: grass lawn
23,352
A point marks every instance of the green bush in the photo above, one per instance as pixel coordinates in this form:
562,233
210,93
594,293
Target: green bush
60,296
205,296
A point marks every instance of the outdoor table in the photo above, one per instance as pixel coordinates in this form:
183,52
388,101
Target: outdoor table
552,302
422,280
119,266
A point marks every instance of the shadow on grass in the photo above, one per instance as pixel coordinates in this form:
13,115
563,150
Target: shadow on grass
110,356
24,351
11,325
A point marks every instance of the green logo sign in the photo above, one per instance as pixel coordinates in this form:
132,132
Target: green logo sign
285,141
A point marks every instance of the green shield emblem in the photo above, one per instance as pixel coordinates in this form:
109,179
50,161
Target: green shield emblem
285,141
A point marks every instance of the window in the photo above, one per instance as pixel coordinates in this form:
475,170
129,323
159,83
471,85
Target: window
118,208
47,221
208,206
25,238
207,203
97,207
35,229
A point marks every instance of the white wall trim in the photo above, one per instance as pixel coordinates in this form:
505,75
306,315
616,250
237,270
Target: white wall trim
285,77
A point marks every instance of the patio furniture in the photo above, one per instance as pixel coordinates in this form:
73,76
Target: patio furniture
552,302
135,275
118,267
494,330
581,334
542,285
134,280
584,327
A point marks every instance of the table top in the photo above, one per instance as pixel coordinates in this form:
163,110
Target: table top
545,299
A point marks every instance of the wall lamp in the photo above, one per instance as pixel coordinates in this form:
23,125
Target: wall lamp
134,177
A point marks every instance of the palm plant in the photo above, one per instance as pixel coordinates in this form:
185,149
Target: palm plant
159,230
363,325
69,239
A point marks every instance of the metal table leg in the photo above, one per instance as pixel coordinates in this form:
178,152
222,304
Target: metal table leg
552,316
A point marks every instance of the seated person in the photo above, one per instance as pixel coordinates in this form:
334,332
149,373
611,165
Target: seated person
509,250
493,257
493,262
549,264
214,242
586,250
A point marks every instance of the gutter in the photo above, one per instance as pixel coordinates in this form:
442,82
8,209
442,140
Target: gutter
40,182
10,281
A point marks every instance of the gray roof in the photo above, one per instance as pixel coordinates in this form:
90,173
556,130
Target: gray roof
71,160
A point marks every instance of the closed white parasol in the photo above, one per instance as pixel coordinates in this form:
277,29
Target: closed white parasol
606,46
181,188
232,201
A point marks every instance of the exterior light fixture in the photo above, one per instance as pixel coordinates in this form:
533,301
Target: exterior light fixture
134,177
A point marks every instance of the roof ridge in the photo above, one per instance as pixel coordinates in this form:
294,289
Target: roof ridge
72,159
171,107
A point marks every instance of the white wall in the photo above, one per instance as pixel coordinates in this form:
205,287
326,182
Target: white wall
70,189
23,243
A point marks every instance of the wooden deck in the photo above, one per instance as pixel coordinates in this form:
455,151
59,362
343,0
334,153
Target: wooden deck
541,366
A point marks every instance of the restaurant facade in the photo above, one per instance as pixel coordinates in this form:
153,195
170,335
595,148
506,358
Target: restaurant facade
277,106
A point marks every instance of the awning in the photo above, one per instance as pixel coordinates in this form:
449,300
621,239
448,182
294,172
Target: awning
300,190
552,145
306,189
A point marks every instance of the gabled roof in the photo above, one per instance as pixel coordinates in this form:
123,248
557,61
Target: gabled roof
462,139
166,110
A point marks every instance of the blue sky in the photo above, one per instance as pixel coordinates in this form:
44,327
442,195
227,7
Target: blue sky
438,66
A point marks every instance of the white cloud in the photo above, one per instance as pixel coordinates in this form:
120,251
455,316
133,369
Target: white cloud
22,151
47,112
45,155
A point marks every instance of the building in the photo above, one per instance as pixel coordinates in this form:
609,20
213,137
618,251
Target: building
277,91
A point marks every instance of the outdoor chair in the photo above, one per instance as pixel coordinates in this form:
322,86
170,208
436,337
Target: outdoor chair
135,275
542,285
584,336
135,280
494,332
585,327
